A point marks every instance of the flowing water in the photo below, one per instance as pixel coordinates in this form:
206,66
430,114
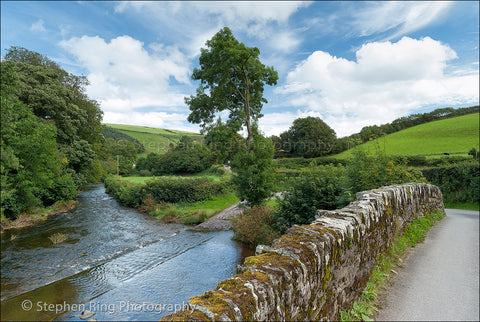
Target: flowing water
116,262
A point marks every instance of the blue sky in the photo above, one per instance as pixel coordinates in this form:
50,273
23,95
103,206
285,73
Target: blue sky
351,63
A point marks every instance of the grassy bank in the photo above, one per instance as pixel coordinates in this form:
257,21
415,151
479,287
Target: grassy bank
154,139
187,212
191,213
387,263
455,136
38,215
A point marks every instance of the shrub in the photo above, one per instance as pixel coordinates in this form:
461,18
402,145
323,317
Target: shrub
255,226
127,193
254,171
184,189
366,172
62,188
459,183
313,189
144,173
171,190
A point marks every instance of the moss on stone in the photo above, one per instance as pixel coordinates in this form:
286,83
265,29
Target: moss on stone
186,316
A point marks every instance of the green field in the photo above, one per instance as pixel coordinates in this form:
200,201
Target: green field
153,139
455,136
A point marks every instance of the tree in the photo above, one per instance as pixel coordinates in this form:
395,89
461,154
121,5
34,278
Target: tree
232,79
222,141
309,137
31,167
58,98
253,171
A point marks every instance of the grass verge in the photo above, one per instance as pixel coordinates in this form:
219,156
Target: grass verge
367,304
463,205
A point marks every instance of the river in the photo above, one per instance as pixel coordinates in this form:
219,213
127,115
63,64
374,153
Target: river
116,262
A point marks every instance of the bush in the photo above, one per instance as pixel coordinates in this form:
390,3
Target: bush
313,189
193,158
255,226
254,172
144,173
171,190
366,172
184,189
127,193
459,183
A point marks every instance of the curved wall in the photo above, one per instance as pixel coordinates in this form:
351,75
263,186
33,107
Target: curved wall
315,271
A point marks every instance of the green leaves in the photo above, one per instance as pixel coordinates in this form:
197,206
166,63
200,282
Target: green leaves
49,128
254,171
231,78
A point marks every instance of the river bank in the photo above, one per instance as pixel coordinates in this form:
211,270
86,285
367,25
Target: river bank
37,215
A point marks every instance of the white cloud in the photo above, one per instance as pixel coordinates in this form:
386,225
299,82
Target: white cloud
259,19
38,26
124,76
284,41
387,80
399,17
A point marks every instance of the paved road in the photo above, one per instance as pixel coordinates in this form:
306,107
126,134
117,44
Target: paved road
440,280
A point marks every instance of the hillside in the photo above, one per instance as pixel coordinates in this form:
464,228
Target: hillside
153,139
455,136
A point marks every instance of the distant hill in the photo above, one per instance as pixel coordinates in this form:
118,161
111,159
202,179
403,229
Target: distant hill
455,136
153,139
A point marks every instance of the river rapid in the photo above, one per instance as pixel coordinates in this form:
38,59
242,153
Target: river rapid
116,262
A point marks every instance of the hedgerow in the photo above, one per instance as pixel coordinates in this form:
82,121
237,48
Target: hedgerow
166,189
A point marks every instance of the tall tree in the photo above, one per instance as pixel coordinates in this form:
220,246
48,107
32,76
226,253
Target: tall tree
31,167
309,137
232,79
58,98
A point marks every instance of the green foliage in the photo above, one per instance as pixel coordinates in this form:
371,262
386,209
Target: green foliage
57,100
184,189
366,172
30,163
308,137
459,183
194,159
155,140
124,150
299,163
232,79
127,193
172,190
255,226
58,238
254,172
474,153
223,141
330,187
315,188
186,158
110,132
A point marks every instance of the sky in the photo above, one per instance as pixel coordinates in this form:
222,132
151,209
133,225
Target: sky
351,63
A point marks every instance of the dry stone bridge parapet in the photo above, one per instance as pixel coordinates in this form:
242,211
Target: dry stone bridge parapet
315,271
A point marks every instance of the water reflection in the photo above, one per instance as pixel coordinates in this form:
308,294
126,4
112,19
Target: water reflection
114,257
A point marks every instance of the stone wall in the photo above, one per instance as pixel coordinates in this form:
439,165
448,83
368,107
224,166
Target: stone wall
315,271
